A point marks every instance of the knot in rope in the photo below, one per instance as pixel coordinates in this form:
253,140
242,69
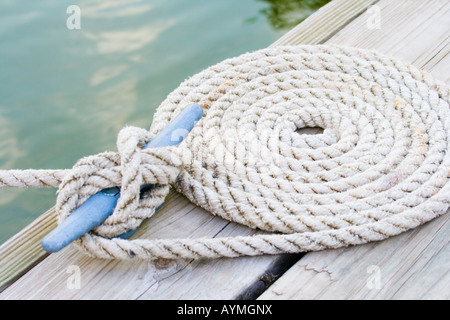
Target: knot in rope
130,168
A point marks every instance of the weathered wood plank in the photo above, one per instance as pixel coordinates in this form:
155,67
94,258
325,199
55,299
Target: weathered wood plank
325,23
416,264
161,279
217,279
23,250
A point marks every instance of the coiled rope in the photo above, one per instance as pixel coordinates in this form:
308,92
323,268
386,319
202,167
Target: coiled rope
381,166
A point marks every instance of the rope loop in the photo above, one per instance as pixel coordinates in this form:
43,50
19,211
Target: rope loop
129,168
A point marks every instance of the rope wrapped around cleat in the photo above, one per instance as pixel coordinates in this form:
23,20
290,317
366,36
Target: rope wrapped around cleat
380,167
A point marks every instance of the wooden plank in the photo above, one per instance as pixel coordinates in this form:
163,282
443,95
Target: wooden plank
23,250
413,266
329,19
416,264
26,244
161,279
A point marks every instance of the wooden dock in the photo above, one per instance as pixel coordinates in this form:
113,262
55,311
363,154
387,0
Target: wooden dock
413,265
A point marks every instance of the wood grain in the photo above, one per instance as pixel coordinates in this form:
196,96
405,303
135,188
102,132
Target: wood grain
413,266
160,279
326,22
23,250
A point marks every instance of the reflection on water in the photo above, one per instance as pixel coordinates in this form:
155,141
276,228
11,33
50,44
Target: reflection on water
106,73
113,8
286,14
66,93
126,41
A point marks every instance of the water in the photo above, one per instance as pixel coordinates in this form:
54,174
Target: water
65,93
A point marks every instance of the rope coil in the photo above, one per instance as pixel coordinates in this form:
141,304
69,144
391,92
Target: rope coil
380,167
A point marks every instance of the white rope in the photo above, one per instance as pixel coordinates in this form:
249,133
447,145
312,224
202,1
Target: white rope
381,166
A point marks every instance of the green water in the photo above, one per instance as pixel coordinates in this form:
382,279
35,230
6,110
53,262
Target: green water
65,93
